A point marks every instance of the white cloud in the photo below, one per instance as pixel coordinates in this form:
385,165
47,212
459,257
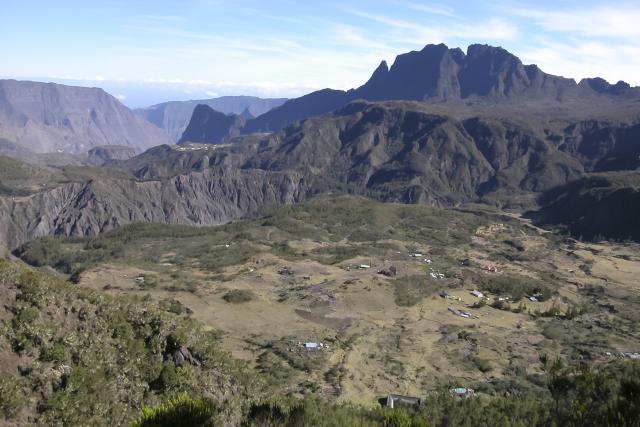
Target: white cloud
120,97
435,9
212,94
610,21
595,42
494,28
585,58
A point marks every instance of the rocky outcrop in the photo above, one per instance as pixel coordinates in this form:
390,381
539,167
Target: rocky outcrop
603,146
215,196
173,117
54,118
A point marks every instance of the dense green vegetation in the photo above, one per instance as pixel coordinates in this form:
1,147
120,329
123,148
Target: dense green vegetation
366,225
409,290
72,356
609,396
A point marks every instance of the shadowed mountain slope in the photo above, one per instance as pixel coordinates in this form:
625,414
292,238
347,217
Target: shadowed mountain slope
602,206
174,116
210,126
389,151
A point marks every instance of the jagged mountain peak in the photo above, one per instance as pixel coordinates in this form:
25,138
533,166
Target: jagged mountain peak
483,75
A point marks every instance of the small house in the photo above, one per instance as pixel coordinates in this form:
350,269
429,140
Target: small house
364,266
311,345
477,294
462,392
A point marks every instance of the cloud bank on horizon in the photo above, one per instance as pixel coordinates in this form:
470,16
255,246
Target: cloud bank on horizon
151,51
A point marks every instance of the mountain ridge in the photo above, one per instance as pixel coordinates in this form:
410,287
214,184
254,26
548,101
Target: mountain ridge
391,151
174,116
49,117
438,74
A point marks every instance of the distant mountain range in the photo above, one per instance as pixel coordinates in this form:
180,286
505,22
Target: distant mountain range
174,116
436,74
465,128
50,118
399,151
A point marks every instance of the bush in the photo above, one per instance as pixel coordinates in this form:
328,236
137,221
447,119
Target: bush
409,290
174,306
238,296
57,353
516,286
181,411
12,396
26,315
482,364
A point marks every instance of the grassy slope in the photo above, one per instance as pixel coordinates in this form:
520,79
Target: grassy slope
72,356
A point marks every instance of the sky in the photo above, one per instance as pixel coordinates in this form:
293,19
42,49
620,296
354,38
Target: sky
145,52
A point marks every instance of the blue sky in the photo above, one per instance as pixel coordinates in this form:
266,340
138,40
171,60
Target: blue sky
151,51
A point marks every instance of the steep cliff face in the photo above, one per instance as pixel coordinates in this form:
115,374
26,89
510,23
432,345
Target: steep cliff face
48,117
210,197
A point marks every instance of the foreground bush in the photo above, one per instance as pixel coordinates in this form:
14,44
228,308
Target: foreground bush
81,357
181,411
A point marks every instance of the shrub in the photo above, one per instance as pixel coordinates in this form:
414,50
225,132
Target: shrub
12,396
181,411
26,315
482,364
56,353
238,296
174,306
409,290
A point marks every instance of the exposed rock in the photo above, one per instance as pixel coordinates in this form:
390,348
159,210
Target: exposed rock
49,118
